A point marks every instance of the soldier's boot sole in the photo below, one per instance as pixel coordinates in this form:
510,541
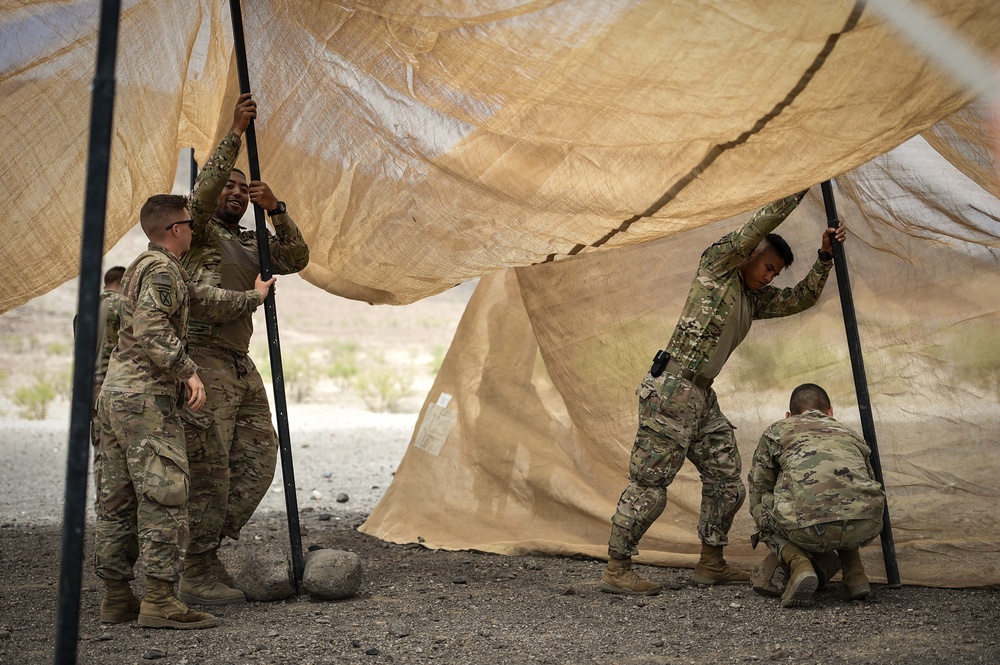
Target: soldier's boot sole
731,575
162,622
855,591
800,589
190,599
606,587
120,616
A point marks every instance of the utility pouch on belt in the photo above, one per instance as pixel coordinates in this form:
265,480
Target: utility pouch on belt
660,361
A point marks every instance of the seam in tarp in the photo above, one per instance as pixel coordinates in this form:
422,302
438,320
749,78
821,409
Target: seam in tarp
716,151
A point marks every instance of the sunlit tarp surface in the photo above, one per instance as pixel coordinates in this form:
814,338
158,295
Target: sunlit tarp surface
422,144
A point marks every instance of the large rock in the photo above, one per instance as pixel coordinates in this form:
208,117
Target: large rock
266,574
332,574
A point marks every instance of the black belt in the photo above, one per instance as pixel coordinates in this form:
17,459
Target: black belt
674,367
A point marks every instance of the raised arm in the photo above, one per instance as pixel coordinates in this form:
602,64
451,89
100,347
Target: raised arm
289,251
215,174
733,248
773,302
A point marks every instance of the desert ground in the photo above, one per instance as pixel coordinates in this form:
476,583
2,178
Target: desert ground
415,605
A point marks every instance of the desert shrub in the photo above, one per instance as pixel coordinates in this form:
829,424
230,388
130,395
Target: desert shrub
382,387
301,374
437,358
342,362
33,398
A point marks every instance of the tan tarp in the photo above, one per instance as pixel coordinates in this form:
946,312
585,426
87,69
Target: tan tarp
422,144
527,450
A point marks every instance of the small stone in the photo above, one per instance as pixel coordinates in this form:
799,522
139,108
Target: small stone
4,634
399,630
328,474
371,651
343,498
308,509
104,637
356,644
154,654
324,517
735,605
273,633
420,539
459,580
658,643
317,495
569,591
322,620
441,639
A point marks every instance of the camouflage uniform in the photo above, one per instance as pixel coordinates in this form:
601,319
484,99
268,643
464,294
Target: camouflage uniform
231,443
811,482
677,418
144,478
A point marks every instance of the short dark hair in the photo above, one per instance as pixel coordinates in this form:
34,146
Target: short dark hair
114,274
779,245
806,397
151,214
240,171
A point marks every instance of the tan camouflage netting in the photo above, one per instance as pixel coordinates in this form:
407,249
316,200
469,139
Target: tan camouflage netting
424,144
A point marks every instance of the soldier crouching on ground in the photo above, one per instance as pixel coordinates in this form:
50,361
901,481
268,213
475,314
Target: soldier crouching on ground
812,492
679,415
144,477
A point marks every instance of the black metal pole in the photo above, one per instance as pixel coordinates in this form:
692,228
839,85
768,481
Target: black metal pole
270,313
194,170
91,253
860,379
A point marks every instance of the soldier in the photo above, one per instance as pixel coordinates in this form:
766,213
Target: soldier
813,491
679,414
144,472
232,446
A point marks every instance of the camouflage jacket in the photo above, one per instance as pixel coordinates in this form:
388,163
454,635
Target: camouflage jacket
227,257
157,298
717,284
809,469
107,334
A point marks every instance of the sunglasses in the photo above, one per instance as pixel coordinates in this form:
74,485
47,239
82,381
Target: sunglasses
189,222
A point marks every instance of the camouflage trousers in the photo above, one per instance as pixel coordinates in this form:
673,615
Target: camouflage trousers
231,446
142,486
818,538
678,420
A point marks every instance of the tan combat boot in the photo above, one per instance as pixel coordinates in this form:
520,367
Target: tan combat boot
160,609
219,569
802,579
199,585
854,585
712,568
119,604
619,577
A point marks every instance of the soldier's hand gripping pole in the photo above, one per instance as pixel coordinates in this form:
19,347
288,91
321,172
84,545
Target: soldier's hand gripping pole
270,313
860,380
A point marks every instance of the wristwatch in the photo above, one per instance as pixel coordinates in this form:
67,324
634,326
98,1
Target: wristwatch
824,256
279,209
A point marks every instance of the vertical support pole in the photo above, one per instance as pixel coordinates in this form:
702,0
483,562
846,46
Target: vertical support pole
91,255
860,379
270,313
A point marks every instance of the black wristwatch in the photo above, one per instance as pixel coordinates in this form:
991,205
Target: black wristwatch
824,256
279,209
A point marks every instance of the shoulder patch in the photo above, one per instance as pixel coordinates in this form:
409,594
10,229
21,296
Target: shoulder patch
163,289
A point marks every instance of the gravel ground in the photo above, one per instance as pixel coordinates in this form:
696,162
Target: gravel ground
417,605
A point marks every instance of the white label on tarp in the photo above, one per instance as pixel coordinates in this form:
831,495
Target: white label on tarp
435,428
443,400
